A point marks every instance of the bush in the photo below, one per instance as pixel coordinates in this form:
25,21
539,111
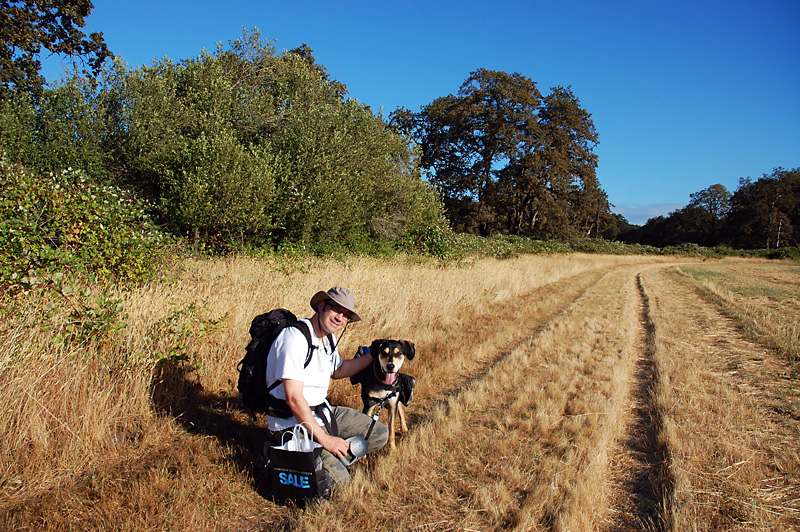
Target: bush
66,223
245,148
784,253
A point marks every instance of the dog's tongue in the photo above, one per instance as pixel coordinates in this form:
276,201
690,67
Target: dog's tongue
390,377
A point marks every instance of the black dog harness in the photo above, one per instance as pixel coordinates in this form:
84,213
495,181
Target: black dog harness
381,404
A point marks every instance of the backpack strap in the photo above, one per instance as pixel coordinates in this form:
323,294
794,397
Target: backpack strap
307,333
303,329
311,347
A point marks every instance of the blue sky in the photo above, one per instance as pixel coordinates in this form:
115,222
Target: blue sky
684,94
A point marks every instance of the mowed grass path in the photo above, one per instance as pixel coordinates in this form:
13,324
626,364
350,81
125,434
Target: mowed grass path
546,438
554,393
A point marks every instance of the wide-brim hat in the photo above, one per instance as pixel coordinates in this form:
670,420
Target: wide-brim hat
342,296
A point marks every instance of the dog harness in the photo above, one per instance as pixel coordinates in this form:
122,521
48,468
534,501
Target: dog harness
381,403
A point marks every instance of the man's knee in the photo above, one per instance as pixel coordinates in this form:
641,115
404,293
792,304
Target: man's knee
378,437
336,471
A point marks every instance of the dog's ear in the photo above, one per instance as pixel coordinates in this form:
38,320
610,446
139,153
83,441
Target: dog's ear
375,348
408,348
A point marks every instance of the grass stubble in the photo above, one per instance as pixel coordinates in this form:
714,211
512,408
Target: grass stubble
726,412
527,372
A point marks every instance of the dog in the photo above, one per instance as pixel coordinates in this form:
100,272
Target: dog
382,384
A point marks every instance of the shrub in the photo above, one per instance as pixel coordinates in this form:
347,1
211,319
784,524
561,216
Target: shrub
243,148
66,223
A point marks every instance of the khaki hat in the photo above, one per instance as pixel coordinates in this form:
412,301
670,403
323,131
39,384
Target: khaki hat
342,296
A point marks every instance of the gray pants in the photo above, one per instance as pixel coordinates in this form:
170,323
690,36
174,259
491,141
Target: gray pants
350,423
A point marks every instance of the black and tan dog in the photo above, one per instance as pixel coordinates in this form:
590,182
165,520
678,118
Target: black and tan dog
383,384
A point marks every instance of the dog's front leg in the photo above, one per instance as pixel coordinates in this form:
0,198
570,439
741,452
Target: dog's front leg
392,410
401,412
370,410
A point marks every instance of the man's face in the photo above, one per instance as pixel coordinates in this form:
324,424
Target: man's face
333,316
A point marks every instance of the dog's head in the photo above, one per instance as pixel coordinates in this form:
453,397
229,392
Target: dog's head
390,355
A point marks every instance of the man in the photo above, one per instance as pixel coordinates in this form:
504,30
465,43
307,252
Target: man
305,388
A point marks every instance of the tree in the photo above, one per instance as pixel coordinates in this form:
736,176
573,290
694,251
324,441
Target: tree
505,157
568,138
760,214
465,138
714,200
765,213
618,228
27,26
246,146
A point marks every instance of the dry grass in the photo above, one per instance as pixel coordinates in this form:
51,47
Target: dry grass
734,458
526,372
523,447
763,298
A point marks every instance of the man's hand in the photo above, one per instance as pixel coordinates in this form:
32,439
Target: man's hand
335,445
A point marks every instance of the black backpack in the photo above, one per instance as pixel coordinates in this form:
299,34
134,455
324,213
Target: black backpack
252,383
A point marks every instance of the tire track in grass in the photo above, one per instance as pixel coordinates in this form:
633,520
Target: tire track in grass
510,322
641,475
734,462
592,389
551,301
520,446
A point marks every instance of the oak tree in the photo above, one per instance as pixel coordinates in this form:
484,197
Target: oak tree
715,201
29,26
507,158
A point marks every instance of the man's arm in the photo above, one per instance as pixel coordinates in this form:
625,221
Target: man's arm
302,412
352,366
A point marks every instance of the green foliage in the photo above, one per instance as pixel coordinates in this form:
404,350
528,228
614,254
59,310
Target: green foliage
617,228
93,318
178,334
760,214
244,148
65,128
70,129
436,241
606,247
57,224
17,124
508,160
766,213
783,253
699,222
30,25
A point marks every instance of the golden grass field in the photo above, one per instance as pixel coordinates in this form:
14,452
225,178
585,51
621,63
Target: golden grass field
559,393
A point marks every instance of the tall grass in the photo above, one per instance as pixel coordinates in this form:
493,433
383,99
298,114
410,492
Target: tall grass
119,409
763,298
83,393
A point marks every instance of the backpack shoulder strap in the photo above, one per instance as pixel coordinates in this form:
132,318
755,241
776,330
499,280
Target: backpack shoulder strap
307,333
332,342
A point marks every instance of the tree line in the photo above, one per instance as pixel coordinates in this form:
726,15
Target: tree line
248,147
761,214
240,147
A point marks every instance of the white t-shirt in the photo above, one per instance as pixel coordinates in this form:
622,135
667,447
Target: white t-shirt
285,361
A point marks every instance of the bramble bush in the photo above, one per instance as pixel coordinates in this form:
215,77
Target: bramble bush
65,224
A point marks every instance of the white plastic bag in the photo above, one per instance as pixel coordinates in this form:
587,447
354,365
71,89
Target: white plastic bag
301,441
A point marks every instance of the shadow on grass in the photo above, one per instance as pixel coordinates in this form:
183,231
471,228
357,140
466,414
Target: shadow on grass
176,391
